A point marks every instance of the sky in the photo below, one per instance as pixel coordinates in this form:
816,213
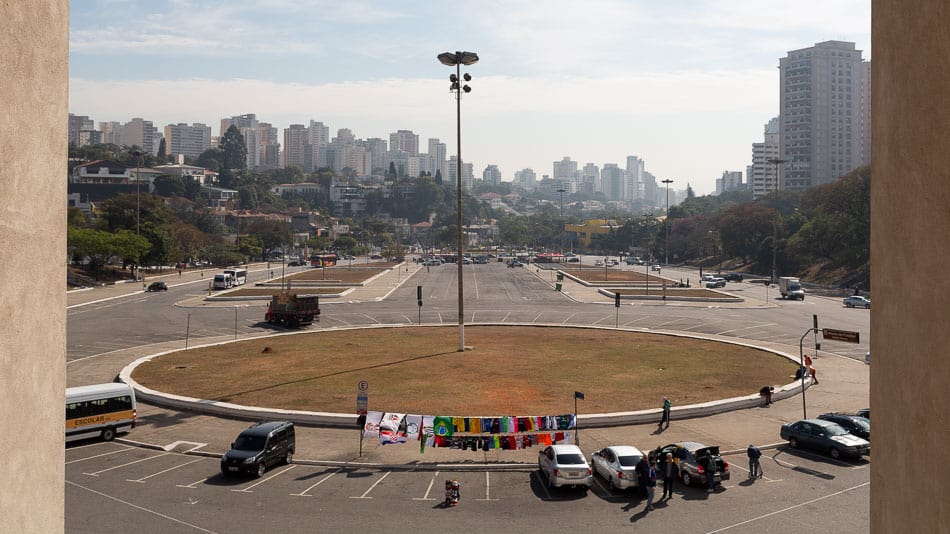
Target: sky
686,85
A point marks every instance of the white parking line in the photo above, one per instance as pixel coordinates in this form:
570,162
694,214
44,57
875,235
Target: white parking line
569,317
364,495
143,479
321,481
96,473
193,484
263,480
799,505
487,489
538,316
99,455
179,521
506,317
429,489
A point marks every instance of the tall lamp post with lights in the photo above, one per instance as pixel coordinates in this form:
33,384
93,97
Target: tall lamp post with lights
138,165
456,60
561,217
776,162
668,222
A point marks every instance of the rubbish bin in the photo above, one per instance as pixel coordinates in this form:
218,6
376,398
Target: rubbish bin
560,277
557,287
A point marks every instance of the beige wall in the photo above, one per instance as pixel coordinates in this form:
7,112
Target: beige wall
910,233
33,138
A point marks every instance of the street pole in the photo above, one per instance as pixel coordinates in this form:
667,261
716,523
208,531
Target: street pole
561,217
776,162
668,222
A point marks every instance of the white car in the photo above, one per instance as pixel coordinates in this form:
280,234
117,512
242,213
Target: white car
655,268
716,282
617,465
708,277
857,301
564,465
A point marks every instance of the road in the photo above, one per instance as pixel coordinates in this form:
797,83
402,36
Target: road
182,493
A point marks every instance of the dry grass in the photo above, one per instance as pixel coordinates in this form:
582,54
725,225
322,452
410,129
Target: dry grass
510,371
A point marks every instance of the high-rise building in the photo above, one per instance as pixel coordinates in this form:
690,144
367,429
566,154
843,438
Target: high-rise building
269,150
404,140
730,181
762,177
77,124
633,186
590,178
491,175
821,112
866,113
111,132
565,170
468,173
526,179
189,141
295,146
437,154
612,181
141,133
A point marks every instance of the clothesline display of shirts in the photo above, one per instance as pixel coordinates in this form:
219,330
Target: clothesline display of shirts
474,433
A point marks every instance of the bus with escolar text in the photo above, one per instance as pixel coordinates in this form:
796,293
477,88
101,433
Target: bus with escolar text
238,275
99,410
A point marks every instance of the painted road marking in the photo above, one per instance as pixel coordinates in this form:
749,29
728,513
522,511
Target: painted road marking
97,473
263,480
99,455
321,481
429,489
364,495
143,479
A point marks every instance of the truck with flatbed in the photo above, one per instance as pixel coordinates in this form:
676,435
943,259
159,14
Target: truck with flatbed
293,310
791,288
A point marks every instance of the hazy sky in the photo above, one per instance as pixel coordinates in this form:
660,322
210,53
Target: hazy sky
687,85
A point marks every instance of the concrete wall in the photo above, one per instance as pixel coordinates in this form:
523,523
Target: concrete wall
910,233
33,139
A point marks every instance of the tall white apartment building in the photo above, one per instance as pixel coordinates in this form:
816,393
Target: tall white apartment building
77,124
761,176
491,175
468,173
189,141
730,181
565,170
590,178
249,129
141,133
111,132
437,154
613,181
320,153
527,179
269,148
633,186
821,113
296,145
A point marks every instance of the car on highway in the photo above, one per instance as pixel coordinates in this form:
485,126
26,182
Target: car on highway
716,282
349,257
855,425
515,263
707,277
655,268
617,465
259,447
693,459
564,465
733,277
599,263
573,259
857,301
824,436
157,286
432,262
375,257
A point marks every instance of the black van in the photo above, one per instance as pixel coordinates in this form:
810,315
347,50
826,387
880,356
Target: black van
259,447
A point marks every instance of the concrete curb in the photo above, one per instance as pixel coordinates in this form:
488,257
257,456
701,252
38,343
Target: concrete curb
339,420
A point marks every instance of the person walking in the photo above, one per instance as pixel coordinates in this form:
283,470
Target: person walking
755,468
666,413
669,471
643,472
651,485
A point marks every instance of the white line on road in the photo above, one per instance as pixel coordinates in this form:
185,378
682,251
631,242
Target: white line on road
487,489
569,317
321,481
258,483
506,317
143,479
763,325
193,484
538,316
364,495
96,473
799,505
170,518
99,455
426,496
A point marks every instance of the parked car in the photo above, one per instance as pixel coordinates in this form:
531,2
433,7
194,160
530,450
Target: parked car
864,412
733,277
349,257
617,465
692,458
574,259
432,262
855,425
599,263
515,263
707,277
655,268
824,436
375,257
564,465
857,301
259,447
716,282
466,261
157,286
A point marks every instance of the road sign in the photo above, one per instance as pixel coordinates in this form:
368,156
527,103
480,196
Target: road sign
841,335
363,386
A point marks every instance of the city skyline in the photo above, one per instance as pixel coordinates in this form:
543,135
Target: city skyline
687,88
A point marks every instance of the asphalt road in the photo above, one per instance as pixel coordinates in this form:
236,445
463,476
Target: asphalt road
170,492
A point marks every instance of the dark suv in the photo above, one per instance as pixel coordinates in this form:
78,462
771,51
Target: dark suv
259,447
732,277
157,286
855,425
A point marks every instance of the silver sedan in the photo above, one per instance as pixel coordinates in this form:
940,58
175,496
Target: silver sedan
617,465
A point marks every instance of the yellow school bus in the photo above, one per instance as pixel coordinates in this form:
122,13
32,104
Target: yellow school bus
101,410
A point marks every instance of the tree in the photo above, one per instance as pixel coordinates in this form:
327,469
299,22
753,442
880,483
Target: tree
438,176
392,171
344,243
272,234
235,151
211,159
161,151
169,186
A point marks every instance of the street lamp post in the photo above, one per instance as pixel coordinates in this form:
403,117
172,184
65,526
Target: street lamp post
776,162
457,60
561,217
138,164
667,182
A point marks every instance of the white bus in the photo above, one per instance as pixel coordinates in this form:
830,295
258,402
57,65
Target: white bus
238,275
99,410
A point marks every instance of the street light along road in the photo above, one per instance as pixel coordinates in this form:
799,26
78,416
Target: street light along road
457,60
776,162
667,182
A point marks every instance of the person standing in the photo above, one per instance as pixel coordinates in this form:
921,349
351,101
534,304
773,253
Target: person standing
755,467
766,393
669,471
651,485
643,472
710,473
666,413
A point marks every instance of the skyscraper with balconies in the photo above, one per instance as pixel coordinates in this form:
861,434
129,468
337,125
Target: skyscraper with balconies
821,111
